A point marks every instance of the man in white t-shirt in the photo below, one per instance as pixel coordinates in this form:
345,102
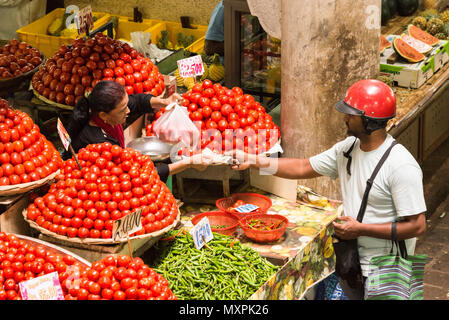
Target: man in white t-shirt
397,191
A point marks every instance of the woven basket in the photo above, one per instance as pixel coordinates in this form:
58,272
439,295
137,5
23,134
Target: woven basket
148,236
25,187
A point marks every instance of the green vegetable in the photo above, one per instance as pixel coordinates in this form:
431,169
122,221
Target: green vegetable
226,271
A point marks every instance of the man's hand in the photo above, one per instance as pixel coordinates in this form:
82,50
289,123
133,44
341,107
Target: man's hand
348,230
242,160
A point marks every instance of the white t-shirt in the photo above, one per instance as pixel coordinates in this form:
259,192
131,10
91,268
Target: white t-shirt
397,190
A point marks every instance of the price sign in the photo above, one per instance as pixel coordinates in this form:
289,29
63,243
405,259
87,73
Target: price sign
65,138
246,208
84,20
201,233
191,67
46,287
126,225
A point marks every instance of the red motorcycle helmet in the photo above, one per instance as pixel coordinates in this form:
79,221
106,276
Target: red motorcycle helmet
371,99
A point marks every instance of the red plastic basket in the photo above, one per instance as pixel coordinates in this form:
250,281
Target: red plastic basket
264,235
263,202
219,218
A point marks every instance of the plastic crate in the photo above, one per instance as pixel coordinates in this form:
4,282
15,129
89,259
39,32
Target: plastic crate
36,35
174,28
126,26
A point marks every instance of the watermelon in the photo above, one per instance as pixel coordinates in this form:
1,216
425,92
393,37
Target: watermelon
406,51
421,35
384,43
417,44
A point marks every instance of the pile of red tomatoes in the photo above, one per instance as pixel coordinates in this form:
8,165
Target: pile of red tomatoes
112,183
74,71
120,278
112,278
228,119
25,154
21,261
17,58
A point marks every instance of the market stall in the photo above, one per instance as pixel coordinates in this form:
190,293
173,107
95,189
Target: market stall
75,207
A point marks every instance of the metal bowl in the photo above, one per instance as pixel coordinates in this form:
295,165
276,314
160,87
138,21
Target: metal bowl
152,146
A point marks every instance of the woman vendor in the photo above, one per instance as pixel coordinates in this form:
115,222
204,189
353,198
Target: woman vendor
102,116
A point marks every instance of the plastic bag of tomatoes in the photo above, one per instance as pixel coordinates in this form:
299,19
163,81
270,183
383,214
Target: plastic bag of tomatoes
175,126
227,119
112,183
120,278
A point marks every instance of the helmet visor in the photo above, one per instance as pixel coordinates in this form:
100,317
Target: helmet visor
343,107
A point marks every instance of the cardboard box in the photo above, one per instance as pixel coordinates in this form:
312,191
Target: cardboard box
414,75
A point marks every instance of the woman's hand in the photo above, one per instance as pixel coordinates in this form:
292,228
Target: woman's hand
175,97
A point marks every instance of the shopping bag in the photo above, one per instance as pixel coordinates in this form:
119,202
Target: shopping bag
176,126
347,266
396,277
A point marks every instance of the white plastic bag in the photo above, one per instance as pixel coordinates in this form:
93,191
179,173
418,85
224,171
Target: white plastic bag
141,42
176,126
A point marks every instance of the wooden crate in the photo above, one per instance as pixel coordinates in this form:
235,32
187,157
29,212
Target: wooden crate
11,219
189,181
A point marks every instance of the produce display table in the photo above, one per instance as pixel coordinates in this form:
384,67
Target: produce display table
422,115
305,250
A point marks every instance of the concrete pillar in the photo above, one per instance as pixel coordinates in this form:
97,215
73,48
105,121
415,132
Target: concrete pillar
327,45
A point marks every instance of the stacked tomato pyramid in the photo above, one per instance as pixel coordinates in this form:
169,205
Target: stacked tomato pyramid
74,71
228,119
25,154
112,183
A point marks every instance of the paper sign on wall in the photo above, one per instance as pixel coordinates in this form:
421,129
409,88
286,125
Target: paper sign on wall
201,233
84,20
46,287
191,67
65,138
127,225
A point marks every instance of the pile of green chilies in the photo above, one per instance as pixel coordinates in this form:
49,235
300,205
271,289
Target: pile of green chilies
225,270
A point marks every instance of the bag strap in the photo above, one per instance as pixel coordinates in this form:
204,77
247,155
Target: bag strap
399,243
347,154
369,182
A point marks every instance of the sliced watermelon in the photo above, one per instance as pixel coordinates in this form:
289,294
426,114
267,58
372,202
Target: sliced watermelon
384,43
422,35
417,44
406,51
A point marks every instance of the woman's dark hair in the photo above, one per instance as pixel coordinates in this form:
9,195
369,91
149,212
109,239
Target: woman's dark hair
104,97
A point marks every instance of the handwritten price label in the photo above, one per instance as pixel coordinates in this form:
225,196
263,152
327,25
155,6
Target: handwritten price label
191,67
246,208
201,233
46,287
65,138
84,20
126,225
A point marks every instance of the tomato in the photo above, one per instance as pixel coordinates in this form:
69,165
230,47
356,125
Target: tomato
119,71
129,90
128,69
108,73
216,116
138,87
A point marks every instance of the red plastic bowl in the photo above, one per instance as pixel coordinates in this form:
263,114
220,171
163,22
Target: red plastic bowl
264,235
218,218
263,202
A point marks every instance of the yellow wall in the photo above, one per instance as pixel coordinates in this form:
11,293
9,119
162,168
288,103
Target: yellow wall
169,10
